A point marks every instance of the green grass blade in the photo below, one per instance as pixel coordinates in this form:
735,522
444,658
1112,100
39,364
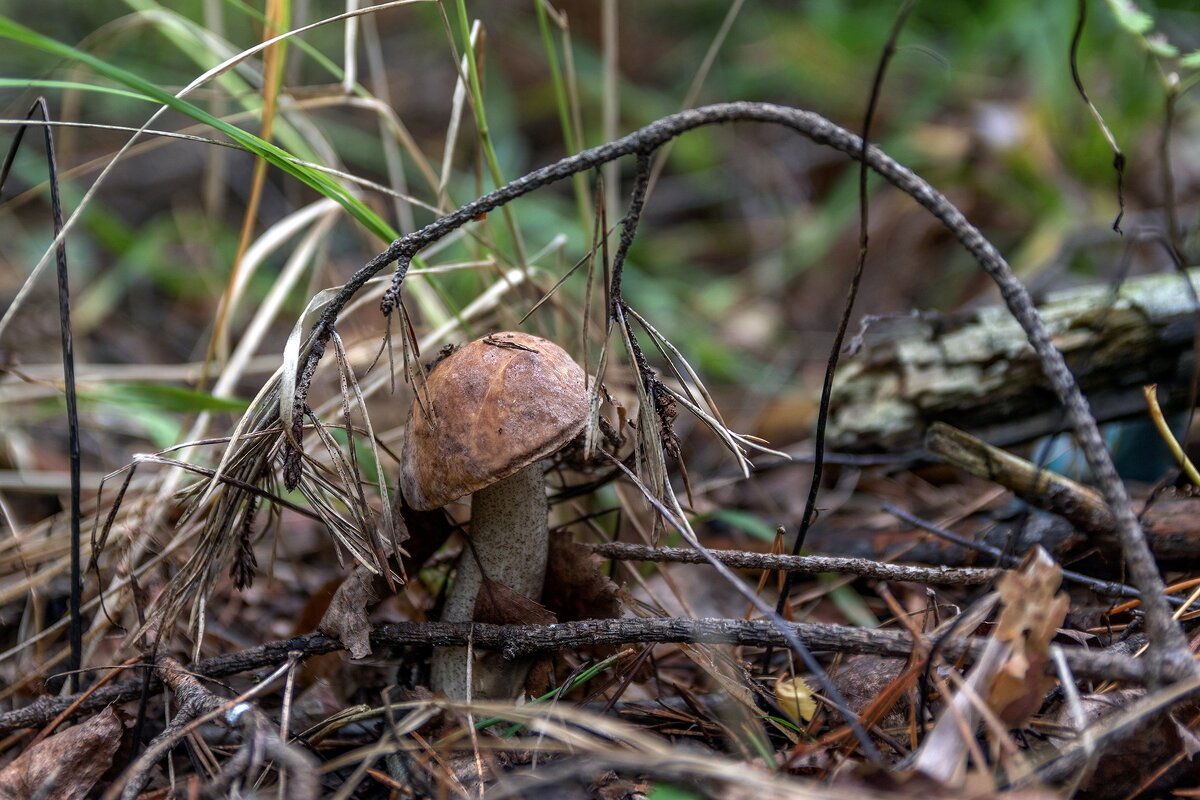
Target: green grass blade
274,155
26,83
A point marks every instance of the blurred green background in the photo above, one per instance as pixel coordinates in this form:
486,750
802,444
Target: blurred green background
750,235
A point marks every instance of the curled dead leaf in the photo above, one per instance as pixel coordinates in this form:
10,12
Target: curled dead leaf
575,588
347,618
67,765
501,605
1033,610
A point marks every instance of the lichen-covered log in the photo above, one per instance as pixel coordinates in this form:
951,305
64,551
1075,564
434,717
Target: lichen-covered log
976,371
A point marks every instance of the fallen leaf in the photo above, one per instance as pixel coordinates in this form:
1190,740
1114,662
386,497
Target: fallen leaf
347,618
67,765
501,605
863,679
1033,610
796,699
575,588
1008,673
1123,771
423,534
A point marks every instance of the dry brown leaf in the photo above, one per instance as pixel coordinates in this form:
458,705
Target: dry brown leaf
422,532
1146,764
863,679
67,765
540,678
1009,671
1032,613
575,588
501,605
347,618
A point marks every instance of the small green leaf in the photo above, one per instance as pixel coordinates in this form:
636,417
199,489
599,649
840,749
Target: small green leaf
154,408
745,522
1159,46
852,606
1130,17
25,83
666,791
784,722
162,398
1191,60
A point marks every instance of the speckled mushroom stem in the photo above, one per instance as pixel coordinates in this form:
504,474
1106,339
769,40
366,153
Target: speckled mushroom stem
509,535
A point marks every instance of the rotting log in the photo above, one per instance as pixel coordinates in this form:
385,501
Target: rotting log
976,371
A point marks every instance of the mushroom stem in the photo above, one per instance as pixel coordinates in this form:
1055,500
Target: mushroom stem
509,537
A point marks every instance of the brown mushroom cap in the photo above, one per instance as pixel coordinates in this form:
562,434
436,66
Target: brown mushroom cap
498,404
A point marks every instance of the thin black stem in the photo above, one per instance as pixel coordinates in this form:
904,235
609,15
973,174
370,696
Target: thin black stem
1174,235
839,338
617,304
629,226
1118,155
68,352
75,631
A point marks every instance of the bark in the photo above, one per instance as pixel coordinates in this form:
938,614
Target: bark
976,371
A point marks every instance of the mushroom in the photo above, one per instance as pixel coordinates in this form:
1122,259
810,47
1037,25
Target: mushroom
489,413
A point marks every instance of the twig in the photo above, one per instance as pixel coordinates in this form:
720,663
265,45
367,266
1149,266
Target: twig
1164,430
1118,155
519,640
771,617
75,635
1110,732
1103,588
1049,491
82,696
803,565
261,741
839,337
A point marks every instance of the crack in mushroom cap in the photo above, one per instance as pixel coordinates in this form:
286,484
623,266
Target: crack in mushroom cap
498,404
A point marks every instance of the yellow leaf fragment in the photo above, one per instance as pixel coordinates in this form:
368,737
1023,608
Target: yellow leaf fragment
796,698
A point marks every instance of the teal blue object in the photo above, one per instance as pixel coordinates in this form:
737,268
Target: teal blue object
1138,451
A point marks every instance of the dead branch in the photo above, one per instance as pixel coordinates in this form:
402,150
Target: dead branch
804,565
1100,587
1047,490
1170,524
1165,633
864,567
260,739
519,640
